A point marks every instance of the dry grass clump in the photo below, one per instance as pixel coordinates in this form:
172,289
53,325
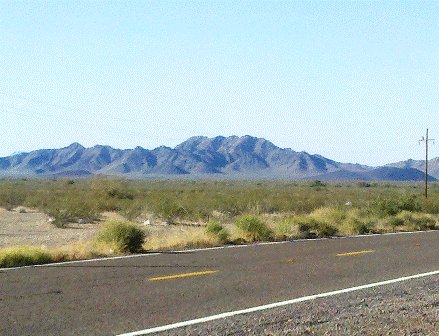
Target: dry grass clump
317,224
325,222
24,255
84,250
178,238
410,221
329,215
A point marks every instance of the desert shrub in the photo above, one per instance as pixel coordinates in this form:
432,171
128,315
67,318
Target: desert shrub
216,229
363,184
409,202
253,228
407,217
431,205
23,255
10,199
286,228
385,207
353,225
171,211
317,183
323,229
395,222
70,211
391,206
309,227
131,211
306,226
124,235
424,222
412,221
120,193
357,222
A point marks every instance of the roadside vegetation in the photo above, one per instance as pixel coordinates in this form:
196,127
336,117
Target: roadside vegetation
212,213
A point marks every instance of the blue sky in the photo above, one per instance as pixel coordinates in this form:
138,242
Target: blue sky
353,81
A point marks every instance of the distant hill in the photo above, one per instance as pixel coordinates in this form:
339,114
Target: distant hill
433,165
378,174
222,157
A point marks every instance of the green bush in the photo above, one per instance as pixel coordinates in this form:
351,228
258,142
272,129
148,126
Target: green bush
71,212
392,206
409,202
10,199
124,235
385,207
171,211
216,229
317,183
253,228
23,255
325,230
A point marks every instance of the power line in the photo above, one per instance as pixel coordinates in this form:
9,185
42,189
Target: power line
75,110
108,129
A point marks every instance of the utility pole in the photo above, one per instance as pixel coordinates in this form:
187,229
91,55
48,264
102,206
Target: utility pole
426,139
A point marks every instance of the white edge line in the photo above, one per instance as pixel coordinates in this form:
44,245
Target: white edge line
213,248
274,305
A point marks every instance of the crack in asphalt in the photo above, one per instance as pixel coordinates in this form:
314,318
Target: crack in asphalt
10,297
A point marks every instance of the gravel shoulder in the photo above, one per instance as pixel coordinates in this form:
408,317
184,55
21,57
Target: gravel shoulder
406,308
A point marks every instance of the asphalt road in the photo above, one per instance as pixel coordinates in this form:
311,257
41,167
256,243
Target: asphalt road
110,297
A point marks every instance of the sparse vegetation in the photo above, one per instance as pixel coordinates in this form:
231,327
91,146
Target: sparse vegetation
224,211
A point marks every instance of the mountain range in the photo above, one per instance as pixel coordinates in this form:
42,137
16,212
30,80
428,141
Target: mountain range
243,157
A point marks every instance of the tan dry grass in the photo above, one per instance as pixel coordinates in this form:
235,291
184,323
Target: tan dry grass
179,237
24,255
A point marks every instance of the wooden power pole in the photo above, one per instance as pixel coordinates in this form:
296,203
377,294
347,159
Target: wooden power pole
426,140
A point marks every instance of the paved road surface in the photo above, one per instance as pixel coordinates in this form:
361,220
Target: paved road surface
117,296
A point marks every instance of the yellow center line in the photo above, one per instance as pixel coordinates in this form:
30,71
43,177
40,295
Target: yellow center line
354,253
181,275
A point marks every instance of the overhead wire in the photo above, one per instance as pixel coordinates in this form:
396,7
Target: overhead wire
102,128
75,110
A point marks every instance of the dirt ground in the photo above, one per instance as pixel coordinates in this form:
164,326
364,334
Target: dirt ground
34,228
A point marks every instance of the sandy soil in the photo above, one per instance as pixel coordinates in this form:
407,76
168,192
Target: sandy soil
34,228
